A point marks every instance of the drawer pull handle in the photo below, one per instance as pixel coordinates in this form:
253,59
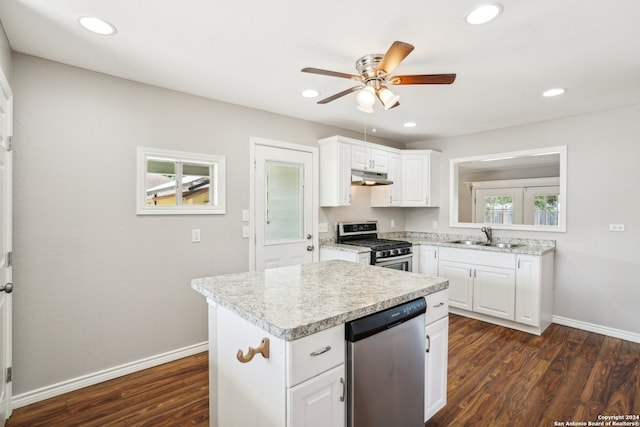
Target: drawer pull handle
319,352
263,349
428,343
438,305
343,389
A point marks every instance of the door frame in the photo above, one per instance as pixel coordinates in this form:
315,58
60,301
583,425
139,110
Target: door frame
8,324
253,142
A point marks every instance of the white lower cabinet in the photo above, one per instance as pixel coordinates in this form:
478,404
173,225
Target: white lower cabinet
514,290
436,353
301,384
319,402
428,260
329,253
494,291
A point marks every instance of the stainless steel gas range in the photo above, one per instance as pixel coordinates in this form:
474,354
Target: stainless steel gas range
384,252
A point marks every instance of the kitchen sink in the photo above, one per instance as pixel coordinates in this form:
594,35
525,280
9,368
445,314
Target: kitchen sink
503,245
500,245
469,242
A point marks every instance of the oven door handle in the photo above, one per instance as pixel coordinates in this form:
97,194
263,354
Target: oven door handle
395,258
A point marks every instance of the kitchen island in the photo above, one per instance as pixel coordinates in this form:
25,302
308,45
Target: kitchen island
277,344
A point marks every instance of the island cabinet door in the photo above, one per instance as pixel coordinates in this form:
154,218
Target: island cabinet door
251,393
319,401
435,372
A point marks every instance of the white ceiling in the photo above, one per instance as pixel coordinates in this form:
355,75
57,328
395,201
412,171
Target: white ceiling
250,52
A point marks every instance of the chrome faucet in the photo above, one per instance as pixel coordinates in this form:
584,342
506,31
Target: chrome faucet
488,232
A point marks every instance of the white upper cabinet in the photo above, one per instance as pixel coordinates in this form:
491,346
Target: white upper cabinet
389,195
367,158
415,173
335,172
420,178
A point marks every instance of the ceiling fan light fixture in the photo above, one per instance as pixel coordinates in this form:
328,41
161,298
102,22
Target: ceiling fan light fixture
484,14
388,98
366,98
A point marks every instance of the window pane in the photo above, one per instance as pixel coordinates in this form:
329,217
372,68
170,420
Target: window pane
160,183
196,185
498,209
284,202
546,210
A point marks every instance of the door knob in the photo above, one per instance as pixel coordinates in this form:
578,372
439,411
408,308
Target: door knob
310,248
8,288
309,236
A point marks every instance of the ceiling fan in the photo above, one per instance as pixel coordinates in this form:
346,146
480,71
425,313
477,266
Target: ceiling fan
375,76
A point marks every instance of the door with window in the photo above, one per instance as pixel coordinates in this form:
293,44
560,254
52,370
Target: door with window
6,104
284,208
498,206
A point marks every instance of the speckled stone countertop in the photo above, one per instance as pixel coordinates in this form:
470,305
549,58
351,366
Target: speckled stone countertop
293,302
527,246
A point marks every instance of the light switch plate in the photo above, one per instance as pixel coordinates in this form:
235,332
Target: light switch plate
616,227
245,215
195,235
245,231
323,227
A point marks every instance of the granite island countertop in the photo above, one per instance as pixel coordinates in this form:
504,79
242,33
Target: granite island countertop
293,302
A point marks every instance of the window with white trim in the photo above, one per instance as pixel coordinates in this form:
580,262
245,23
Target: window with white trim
175,182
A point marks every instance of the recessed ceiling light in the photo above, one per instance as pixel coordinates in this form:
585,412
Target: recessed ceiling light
553,92
310,93
483,14
97,25
410,124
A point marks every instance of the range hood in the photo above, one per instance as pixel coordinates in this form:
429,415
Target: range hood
361,177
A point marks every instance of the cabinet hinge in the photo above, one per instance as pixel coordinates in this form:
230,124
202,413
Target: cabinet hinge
9,259
10,143
9,373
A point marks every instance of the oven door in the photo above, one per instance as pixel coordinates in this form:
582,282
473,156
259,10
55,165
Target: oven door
402,262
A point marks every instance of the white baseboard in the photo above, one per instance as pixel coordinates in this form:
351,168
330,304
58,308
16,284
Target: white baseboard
598,329
53,390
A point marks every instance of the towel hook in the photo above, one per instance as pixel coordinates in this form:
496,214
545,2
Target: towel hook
263,349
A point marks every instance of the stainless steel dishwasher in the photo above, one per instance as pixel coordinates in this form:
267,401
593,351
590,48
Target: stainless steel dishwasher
385,367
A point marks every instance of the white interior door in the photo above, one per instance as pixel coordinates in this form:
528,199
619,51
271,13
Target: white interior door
284,209
6,106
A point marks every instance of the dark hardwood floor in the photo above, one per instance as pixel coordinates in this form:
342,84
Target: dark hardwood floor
497,377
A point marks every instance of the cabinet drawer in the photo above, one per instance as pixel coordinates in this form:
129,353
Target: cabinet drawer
437,306
478,257
314,354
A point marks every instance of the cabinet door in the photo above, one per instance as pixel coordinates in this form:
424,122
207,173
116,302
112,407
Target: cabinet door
344,174
414,180
460,283
528,290
359,158
378,160
253,393
335,174
429,260
494,291
389,195
435,372
319,401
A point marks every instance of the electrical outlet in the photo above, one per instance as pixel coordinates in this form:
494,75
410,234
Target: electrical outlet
245,215
616,227
195,235
434,225
393,223
245,231
323,227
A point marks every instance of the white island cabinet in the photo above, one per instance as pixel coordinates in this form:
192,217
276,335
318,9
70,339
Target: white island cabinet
301,312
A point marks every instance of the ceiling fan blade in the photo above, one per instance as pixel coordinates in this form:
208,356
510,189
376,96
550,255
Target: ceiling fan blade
339,95
396,53
330,73
423,79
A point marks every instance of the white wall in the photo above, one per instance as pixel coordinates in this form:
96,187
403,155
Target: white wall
6,62
95,285
597,271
